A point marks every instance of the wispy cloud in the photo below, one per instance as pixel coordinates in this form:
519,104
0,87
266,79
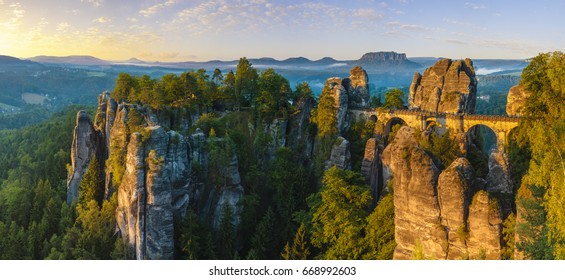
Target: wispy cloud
103,20
155,8
63,26
456,42
475,6
463,23
73,12
95,3
414,27
14,17
367,14
254,15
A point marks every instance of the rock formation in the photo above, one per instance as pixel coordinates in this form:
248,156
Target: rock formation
349,93
149,167
416,207
448,86
372,167
516,100
433,209
485,225
154,184
340,154
498,178
454,194
86,145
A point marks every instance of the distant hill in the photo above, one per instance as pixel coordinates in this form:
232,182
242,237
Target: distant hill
73,59
12,64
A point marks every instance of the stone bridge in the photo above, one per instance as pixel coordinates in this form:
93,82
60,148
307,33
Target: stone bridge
501,126
461,124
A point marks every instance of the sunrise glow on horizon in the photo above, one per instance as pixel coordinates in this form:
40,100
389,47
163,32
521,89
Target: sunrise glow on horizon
176,30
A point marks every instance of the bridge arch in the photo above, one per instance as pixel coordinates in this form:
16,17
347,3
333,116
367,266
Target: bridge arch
390,125
484,136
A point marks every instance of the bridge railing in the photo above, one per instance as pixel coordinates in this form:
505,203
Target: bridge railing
424,113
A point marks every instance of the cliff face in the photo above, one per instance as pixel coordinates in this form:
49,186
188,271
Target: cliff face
439,212
349,94
86,145
149,168
516,99
448,86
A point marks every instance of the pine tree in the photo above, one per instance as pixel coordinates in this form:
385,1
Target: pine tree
92,183
226,233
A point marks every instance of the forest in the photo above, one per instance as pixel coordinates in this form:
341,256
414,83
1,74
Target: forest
293,206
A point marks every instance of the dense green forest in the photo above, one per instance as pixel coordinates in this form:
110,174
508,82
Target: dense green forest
293,207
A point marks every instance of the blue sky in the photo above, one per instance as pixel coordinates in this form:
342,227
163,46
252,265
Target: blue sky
176,30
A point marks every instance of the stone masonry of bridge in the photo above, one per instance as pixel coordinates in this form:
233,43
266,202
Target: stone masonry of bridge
461,124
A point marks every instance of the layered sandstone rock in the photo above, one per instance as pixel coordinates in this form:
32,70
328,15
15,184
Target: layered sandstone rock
338,89
86,145
416,206
340,155
516,100
156,168
454,193
349,93
485,225
359,88
433,210
448,86
151,172
498,178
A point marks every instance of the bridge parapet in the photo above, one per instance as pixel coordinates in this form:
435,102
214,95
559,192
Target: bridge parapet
455,122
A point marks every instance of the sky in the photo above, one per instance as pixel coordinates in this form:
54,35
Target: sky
202,30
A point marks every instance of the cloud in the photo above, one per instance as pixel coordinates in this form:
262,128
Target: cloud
367,14
218,16
463,23
14,17
63,26
414,27
155,8
95,3
475,6
456,42
73,12
103,20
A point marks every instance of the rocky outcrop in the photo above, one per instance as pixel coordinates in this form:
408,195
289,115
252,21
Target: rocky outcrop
448,86
433,211
454,194
416,206
299,133
349,93
340,155
485,224
339,92
86,145
372,167
498,178
359,88
149,168
516,100
155,184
